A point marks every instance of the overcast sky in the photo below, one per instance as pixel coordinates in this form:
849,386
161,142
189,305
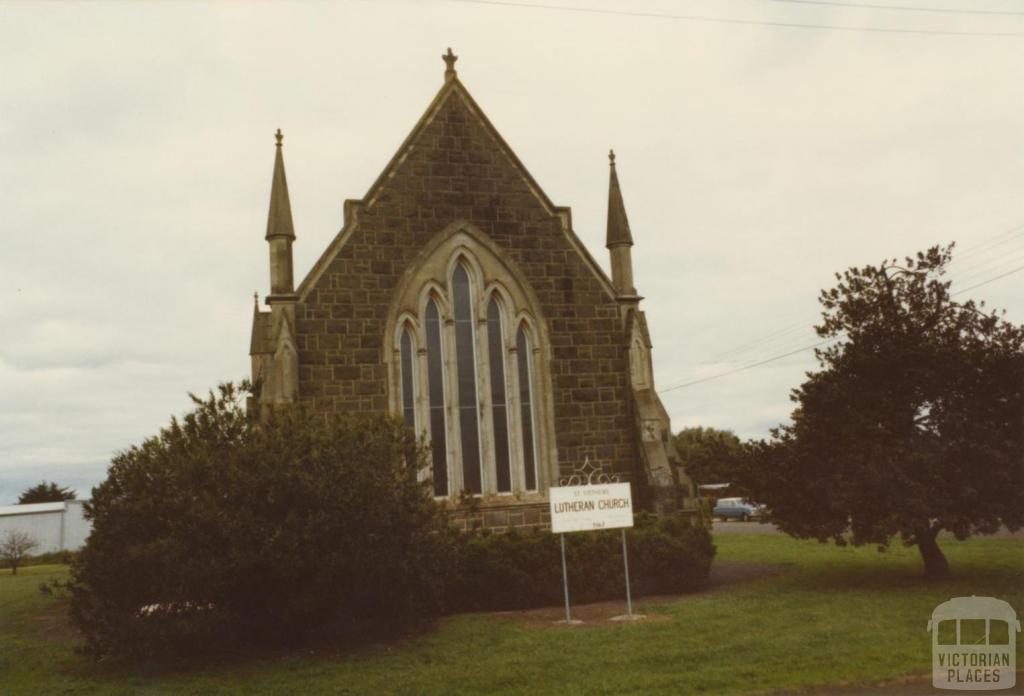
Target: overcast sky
136,146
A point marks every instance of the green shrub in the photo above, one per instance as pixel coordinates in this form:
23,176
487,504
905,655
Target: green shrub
224,531
523,570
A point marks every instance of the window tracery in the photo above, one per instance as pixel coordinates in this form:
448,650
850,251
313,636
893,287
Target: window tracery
465,375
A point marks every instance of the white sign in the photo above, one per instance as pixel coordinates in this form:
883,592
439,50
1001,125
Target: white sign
974,644
584,508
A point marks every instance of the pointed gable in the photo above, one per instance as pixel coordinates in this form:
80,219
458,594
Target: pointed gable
455,153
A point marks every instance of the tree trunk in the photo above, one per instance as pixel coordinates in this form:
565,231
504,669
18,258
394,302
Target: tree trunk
936,567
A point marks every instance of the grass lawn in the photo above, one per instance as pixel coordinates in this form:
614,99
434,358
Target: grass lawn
825,615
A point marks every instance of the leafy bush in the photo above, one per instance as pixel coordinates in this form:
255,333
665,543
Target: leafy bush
522,570
224,531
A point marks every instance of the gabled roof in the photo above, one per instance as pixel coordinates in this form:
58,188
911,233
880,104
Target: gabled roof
452,89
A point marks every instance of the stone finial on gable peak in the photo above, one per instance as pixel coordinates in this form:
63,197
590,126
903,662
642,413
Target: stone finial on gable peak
449,59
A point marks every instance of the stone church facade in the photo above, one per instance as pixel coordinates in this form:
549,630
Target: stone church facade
458,297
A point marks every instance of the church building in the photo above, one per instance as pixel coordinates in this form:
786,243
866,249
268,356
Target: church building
458,297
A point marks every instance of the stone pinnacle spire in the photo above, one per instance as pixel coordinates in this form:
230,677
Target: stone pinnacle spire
280,231
619,240
279,220
618,223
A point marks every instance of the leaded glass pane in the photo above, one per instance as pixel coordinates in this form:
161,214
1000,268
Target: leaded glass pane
408,401
526,404
466,366
499,412
435,387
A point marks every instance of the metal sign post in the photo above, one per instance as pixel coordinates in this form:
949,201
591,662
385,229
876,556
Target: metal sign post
590,500
565,582
625,563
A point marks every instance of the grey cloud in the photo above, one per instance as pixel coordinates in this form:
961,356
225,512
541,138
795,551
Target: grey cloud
755,162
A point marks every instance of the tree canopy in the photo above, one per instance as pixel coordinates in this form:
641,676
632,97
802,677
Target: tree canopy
913,424
45,493
708,454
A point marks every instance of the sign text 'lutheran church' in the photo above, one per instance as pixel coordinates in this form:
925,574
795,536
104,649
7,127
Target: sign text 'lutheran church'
585,508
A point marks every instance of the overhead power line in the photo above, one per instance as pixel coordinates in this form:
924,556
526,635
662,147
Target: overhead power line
903,8
990,280
984,262
778,338
802,349
772,337
745,367
813,345
994,265
726,20
989,244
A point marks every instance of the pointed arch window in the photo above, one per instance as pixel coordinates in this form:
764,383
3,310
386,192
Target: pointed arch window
465,378
436,390
523,352
465,356
499,405
408,383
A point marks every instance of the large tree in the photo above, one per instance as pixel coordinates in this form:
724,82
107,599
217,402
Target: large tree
708,454
913,424
45,493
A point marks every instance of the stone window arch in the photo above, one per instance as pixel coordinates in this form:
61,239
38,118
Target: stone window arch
471,351
525,357
407,347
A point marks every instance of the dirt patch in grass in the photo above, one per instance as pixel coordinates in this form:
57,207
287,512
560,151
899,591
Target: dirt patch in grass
723,574
53,624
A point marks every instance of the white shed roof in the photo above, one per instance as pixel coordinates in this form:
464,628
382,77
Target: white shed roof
32,508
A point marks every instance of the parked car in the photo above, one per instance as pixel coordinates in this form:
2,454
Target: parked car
736,508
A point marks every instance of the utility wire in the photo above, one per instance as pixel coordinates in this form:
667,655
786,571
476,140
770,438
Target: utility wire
741,349
996,264
993,238
985,266
903,8
978,267
990,280
745,367
814,345
988,245
723,20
